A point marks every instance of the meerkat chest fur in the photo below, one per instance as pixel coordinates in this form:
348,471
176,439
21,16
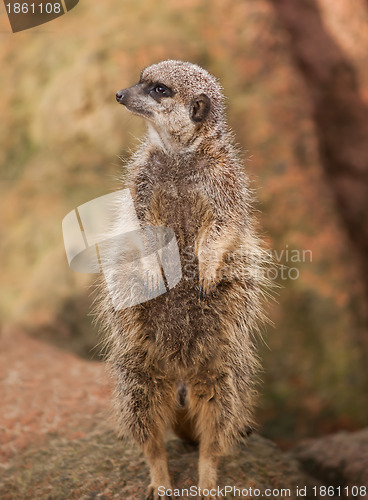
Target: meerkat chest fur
196,196
173,191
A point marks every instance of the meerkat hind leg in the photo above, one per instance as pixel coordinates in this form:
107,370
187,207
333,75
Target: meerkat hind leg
207,469
209,404
209,454
155,453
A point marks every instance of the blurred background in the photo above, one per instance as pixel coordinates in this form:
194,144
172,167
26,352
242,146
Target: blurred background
296,79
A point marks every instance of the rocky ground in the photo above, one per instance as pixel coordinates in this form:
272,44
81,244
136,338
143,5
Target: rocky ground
57,440
339,460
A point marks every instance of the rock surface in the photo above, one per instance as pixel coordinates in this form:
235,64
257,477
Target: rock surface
338,460
99,466
44,390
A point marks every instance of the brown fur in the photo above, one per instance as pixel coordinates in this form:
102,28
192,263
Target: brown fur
187,358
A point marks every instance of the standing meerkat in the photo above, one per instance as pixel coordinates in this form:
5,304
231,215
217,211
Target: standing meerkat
187,358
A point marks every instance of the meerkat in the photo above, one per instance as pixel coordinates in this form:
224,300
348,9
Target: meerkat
187,358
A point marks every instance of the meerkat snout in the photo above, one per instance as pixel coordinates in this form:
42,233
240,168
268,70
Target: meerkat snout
120,95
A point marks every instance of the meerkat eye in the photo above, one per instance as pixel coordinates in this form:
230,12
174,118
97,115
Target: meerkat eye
160,90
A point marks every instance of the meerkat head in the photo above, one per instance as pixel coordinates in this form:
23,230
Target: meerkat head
180,101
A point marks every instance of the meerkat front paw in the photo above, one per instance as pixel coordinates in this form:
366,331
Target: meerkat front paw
207,288
208,280
152,276
153,281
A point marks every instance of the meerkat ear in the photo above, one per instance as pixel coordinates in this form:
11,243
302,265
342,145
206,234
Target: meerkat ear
200,107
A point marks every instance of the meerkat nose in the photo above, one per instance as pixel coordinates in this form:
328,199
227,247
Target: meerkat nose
120,96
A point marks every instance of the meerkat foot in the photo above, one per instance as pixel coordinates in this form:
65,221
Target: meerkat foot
207,497
152,494
207,492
